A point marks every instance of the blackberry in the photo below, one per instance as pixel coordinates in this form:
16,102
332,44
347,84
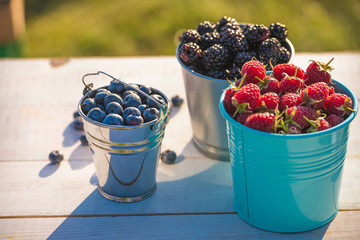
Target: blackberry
225,20
245,26
279,31
190,53
233,72
243,57
257,33
269,49
216,73
205,27
209,39
215,57
236,43
231,25
190,36
284,55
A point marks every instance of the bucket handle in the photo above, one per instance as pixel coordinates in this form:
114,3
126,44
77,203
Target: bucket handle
122,182
162,120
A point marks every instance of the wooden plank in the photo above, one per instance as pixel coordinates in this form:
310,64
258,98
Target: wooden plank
194,185
208,226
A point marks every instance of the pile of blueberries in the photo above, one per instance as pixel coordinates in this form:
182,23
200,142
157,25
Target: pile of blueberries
121,104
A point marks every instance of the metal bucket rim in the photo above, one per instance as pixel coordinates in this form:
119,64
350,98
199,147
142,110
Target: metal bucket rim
153,122
295,136
291,46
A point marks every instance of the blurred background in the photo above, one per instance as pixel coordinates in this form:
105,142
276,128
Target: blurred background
77,28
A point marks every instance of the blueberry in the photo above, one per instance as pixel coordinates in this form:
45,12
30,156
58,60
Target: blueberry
131,87
87,105
134,120
132,100
92,93
146,90
113,119
142,108
131,111
96,114
168,156
100,96
113,97
76,114
177,101
114,107
84,140
127,93
150,114
56,156
116,86
101,106
157,98
78,124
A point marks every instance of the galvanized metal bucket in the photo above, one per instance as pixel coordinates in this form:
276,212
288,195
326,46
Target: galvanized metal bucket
202,95
126,157
287,183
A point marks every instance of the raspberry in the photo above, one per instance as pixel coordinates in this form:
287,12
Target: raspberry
318,125
334,119
269,84
268,102
318,72
297,115
252,71
261,121
315,94
229,106
289,69
289,100
241,117
338,104
291,84
246,98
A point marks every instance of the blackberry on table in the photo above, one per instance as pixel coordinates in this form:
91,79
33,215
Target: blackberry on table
189,36
215,57
205,27
257,33
209,39
279,31
190,53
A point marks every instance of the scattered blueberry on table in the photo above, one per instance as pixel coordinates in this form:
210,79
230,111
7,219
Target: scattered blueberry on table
84,140
78,124
56,156
168,156
177,101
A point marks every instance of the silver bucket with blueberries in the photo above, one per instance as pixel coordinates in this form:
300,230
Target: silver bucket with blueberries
125,155
203,94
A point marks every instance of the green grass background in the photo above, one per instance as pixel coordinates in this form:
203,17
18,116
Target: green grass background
133,28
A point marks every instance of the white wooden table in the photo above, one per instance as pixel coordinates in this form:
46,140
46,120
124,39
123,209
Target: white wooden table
194,197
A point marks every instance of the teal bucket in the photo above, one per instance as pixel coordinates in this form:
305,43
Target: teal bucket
287,183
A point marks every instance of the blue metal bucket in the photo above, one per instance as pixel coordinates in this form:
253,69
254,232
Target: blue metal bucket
287,183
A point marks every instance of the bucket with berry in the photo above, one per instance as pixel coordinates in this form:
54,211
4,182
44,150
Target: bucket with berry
124,125
215,53
288,145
